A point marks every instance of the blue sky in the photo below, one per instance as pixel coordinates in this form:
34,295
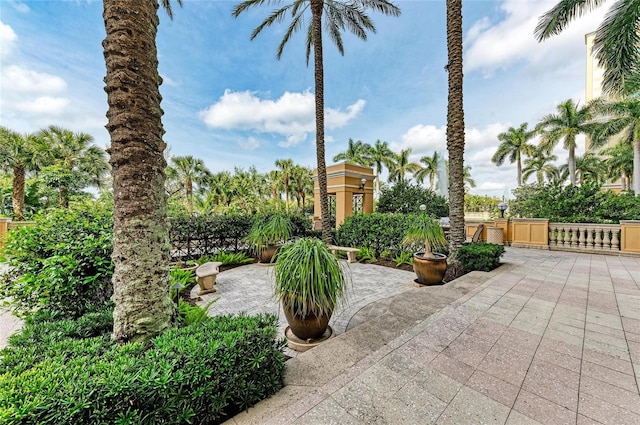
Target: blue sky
228,100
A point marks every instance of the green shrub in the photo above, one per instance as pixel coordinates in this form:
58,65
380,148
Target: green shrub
62,262
479,256
226,258
197,374
406,198
368,255
574,204
380,232
403,258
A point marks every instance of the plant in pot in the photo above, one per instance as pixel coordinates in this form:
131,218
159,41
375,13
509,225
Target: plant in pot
266,236
309,282
426,232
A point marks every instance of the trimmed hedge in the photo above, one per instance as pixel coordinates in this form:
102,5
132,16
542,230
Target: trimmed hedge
202,373
479,256
380,232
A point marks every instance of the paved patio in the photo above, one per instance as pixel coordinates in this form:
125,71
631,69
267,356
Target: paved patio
549,337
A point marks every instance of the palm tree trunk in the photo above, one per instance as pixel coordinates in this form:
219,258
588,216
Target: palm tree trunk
572,166
636,167
519,164
455,125
18,192
140,231
316,16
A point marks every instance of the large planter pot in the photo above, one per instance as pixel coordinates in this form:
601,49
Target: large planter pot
429,270
307,328
268,253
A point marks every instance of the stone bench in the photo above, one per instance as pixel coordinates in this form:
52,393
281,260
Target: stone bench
206,277
351,252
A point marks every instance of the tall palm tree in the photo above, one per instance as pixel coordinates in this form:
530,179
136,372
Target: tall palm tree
540,164
379,155
276,187
16,155
356,153
589,167
74,155
140,229
619,162
455,126
340,15
430,169
187,170
569,121
514,144
401,166
302,184
621,117
617,40
285,168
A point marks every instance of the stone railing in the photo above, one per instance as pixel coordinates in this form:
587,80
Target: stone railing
584,236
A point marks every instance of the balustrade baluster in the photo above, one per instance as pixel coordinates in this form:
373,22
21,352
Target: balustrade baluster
589,244
606,239
575,237
598,241
567,235
615,242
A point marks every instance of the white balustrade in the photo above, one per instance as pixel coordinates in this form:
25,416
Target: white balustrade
584,236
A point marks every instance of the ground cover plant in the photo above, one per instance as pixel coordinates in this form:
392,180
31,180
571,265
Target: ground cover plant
65,371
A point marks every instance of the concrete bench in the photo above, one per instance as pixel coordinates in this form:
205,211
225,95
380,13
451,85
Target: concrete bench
351,252
206,277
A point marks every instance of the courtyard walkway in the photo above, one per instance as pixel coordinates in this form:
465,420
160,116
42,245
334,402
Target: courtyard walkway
548,337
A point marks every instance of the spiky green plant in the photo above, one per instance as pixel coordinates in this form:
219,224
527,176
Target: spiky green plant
309,279
425,230
276,229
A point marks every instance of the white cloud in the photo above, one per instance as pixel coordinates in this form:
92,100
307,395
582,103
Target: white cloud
249,144
292,115
7,39
492,46
22,80
43,105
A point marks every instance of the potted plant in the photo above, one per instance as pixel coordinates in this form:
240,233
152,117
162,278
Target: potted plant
265,236
309,282
426,232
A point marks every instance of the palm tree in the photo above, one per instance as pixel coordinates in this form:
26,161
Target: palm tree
340,15
619,163
455,126
302,184
187,170
401,166
356,153
570,121
285,168
514,144
71,159
469,182
276,187
379,155
617,40
589,167
621,118
540,164
140,230
16,155
432,164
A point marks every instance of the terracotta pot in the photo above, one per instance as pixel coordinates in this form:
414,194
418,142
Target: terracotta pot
430,271
307,328
268,252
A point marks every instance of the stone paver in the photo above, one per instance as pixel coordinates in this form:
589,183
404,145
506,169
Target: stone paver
549,337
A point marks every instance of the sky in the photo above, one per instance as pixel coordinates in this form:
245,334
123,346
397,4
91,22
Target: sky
229,102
